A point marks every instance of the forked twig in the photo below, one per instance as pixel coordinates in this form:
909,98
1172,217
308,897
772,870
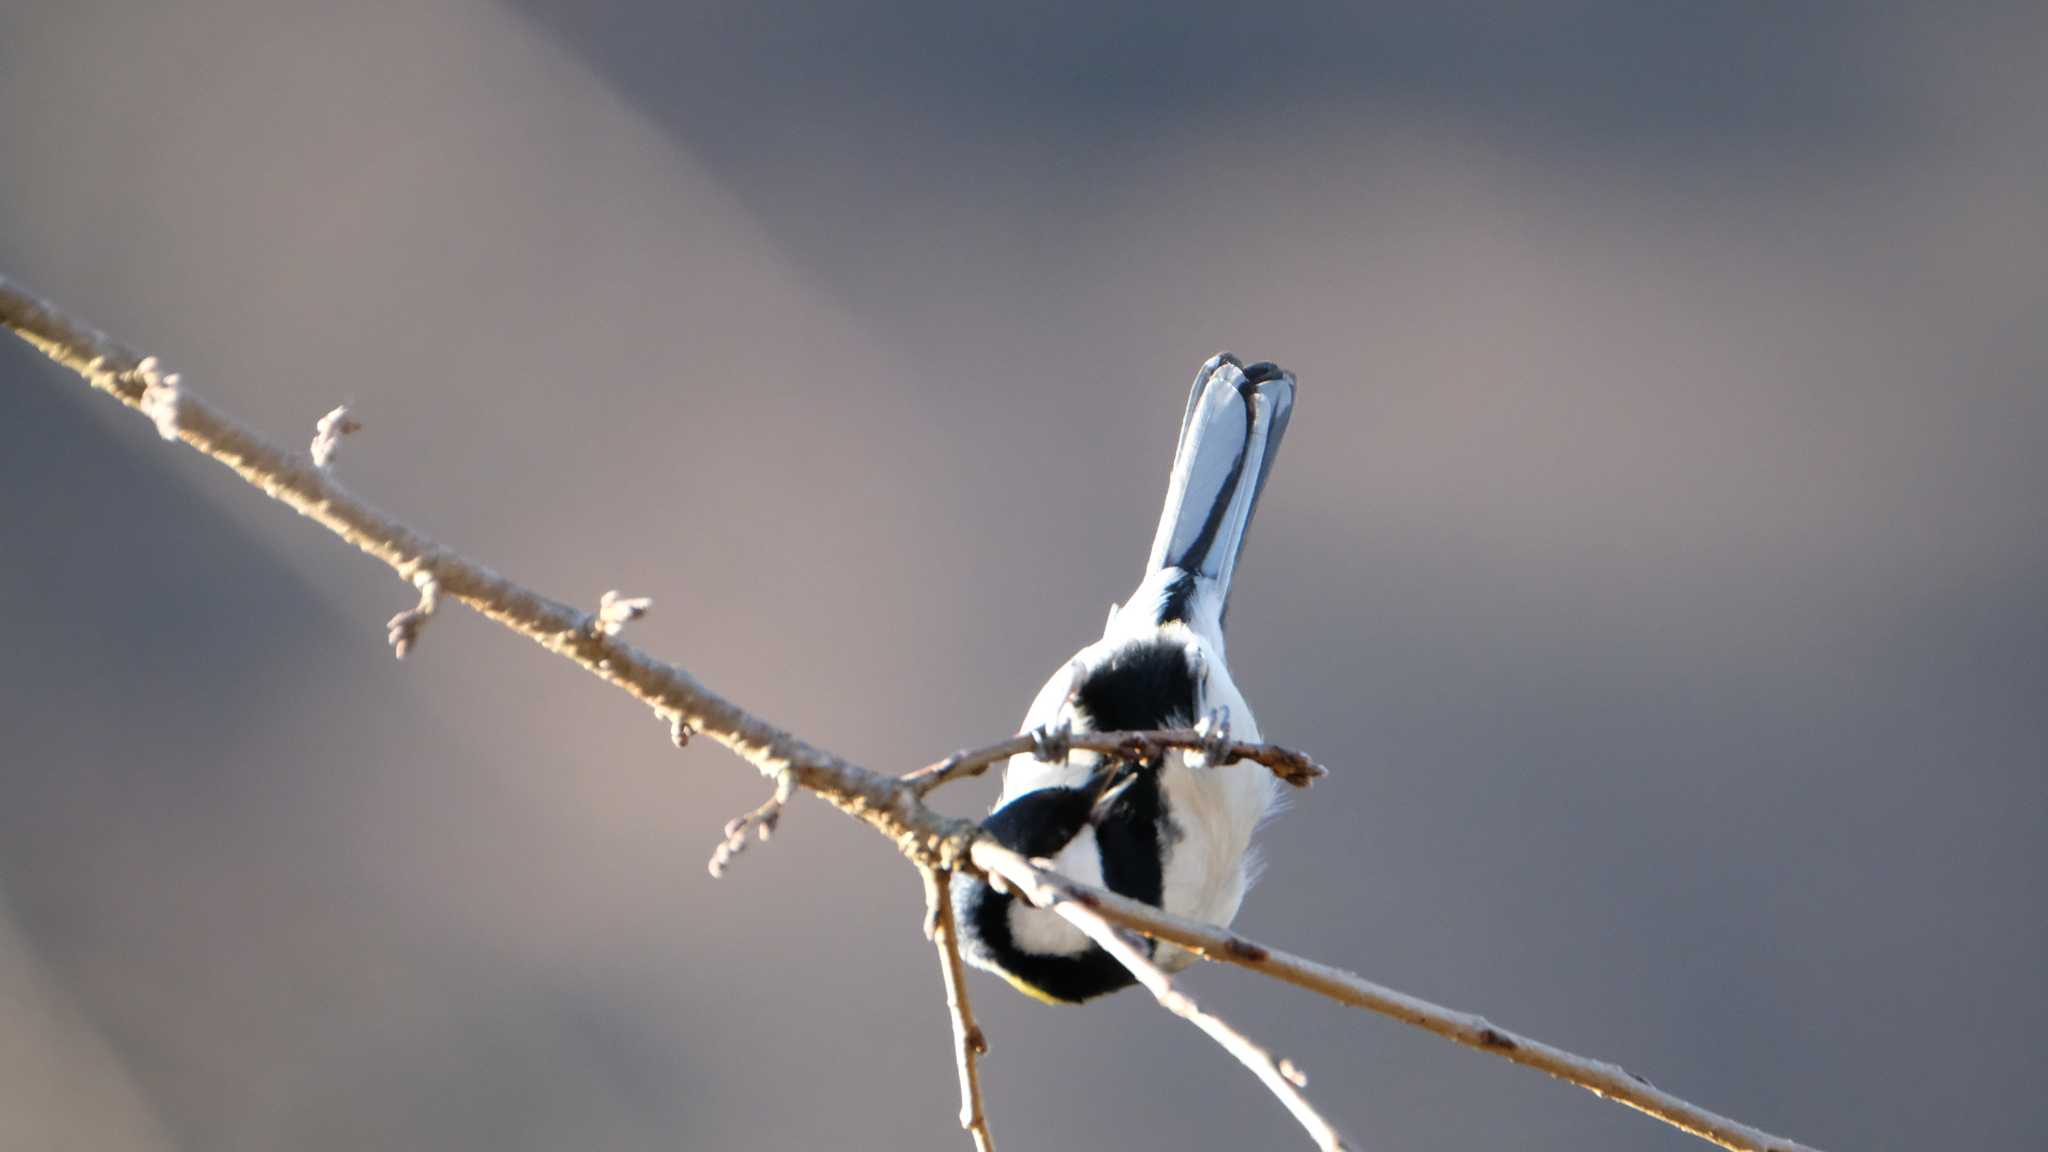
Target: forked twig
1605,1080
1079,907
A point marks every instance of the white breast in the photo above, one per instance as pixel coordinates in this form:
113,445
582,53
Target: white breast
1215,811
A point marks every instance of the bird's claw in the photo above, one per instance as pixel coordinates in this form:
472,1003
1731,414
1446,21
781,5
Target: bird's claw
1214,729
1052,744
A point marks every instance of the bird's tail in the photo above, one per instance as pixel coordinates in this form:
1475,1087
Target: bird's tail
1228,439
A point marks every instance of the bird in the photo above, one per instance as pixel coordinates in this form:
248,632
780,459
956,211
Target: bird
1175,831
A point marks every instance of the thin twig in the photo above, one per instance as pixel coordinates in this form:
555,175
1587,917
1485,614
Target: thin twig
891,806
1290,766
969,1045
1082,909
761,820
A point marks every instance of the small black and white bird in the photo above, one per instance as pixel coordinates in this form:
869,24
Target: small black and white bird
1175,833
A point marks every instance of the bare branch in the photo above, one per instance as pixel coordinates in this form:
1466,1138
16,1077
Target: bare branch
893,807
1293,767
1082,908
1280,1077
672,692
969,1045
1609,1081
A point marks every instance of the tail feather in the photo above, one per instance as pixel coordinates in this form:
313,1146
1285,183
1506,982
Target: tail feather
1228,439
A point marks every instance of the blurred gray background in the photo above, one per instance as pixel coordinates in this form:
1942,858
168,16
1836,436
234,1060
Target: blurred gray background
1659,555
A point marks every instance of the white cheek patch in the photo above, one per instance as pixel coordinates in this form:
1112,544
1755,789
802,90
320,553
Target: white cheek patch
1043,933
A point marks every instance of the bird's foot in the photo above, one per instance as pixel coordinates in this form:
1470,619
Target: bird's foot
1053,743
1214,729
